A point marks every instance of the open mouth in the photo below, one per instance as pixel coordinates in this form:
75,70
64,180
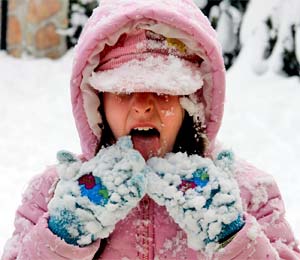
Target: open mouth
146,140
144,132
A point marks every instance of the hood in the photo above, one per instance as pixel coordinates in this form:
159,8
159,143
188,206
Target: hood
179,19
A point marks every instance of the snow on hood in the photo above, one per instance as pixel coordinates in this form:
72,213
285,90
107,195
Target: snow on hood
179,19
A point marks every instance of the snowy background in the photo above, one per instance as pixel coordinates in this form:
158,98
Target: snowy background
261,121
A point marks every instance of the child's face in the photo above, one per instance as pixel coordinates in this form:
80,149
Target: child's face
152,120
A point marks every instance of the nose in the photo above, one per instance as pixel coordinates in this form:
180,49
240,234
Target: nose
142,103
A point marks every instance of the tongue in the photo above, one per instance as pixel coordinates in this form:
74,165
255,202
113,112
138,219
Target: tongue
148,146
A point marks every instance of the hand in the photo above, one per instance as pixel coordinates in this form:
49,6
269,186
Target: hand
91,197
201,196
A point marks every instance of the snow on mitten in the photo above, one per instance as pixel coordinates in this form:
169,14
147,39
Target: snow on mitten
91,197
201,196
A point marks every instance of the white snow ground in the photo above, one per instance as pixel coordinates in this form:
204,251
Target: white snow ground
261,123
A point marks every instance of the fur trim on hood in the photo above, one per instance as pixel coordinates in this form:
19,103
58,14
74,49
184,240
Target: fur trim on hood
174,19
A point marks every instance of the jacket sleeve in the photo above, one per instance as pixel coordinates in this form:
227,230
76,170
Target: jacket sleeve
31,238
266,234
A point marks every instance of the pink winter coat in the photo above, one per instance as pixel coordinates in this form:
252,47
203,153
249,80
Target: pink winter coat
148,232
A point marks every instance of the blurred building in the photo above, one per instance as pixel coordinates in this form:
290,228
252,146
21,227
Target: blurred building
32,27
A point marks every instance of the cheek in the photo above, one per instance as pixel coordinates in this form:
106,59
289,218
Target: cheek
115,114
172,121
173,112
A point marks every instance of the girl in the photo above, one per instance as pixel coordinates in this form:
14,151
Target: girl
147,91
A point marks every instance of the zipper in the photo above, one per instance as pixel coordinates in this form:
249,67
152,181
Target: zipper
145,255
147,229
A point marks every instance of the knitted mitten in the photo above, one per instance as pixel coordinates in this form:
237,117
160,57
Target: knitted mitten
201,196
91,197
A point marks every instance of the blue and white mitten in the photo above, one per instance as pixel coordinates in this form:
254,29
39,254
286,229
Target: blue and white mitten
201,196
91,197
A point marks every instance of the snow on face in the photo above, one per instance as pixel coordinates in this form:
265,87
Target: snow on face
152,120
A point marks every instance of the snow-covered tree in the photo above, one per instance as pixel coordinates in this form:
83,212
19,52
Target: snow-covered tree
226,17
274,34
284,24
273,27
201,3
79,12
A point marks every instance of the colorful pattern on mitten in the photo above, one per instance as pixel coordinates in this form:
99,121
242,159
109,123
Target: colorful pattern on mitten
91,197
92,187
202,198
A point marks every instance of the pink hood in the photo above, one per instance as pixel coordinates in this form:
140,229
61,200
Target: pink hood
179,19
